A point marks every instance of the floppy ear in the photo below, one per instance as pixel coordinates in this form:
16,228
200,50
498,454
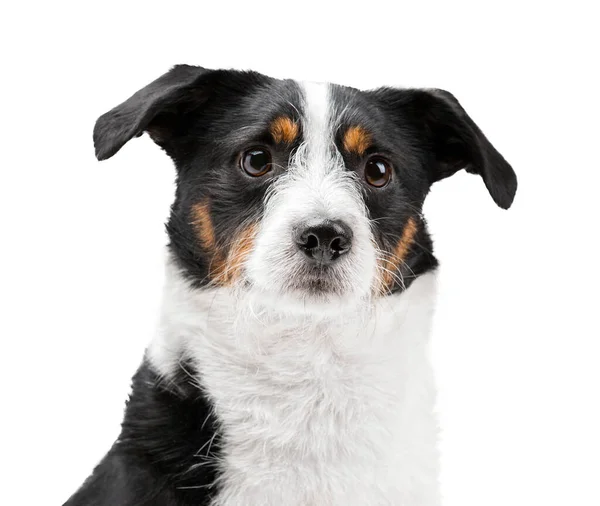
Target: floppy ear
455,141
136,114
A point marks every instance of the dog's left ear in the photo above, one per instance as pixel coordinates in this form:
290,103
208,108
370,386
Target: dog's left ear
141,111
453,138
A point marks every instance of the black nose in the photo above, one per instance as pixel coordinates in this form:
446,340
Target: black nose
325,242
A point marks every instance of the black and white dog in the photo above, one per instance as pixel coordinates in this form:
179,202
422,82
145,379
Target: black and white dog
291,363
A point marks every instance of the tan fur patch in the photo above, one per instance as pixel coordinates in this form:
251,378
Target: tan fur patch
203,225
357,140
284,130
398,256
238,254
227,262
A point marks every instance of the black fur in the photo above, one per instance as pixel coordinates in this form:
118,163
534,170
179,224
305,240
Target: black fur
204,119
167,451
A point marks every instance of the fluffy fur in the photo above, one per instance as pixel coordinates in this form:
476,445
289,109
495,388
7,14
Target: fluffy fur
316,410
274,379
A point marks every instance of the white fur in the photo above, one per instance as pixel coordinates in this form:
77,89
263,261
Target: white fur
317,410
322,403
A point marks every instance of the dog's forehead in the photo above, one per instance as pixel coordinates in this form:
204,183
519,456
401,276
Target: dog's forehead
294,112
335,113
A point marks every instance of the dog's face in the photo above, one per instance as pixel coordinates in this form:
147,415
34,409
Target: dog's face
306,192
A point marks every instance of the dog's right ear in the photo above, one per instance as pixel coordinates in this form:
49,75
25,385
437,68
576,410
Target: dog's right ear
136,114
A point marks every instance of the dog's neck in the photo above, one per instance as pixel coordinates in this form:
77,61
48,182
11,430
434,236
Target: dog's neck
247,324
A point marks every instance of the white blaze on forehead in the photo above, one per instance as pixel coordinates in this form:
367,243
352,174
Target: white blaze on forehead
316,110
318,139
317,178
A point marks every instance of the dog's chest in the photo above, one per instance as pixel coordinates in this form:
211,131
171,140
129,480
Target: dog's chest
316,414
328,434
315,417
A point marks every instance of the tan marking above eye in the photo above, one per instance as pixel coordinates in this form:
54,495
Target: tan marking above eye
392,263
284,130
357,140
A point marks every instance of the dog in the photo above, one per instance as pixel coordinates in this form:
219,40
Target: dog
290,366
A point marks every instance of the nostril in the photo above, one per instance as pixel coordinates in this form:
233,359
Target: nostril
311,242
339,245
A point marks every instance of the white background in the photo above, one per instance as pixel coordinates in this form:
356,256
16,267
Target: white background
516,341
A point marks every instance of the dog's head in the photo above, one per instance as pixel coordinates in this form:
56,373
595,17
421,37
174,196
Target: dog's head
307,192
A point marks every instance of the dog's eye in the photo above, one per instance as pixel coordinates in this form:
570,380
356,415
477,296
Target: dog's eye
378,172
256,162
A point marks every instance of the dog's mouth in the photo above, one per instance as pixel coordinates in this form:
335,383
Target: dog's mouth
317,281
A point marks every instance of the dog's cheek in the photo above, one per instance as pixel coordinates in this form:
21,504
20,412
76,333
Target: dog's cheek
238,254
204,230
391,260
203,226
225,259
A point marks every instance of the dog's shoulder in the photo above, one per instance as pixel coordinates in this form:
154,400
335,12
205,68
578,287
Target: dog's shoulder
167,450
123,480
